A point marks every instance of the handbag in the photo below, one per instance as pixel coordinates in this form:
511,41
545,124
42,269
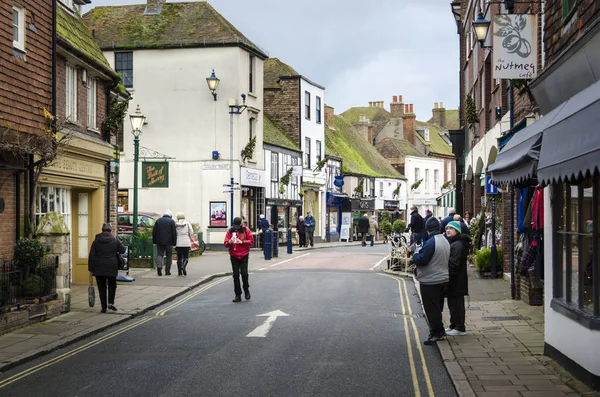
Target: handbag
194,243
91,293
121,262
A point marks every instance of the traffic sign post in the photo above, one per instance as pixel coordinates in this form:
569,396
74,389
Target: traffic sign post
492,190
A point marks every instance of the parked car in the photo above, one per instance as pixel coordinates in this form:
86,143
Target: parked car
146,220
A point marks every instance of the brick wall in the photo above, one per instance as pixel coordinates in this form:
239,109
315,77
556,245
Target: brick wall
408,121
8,217
282,105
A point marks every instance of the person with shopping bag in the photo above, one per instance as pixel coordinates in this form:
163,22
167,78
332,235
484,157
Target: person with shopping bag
103,264
184,242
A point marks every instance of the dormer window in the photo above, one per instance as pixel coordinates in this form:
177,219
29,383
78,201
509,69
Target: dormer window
426,134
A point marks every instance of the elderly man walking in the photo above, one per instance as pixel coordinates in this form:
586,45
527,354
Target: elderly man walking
164,236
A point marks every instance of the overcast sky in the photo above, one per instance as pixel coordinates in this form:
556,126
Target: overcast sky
360,51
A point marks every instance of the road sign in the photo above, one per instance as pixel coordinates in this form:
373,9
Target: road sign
489,188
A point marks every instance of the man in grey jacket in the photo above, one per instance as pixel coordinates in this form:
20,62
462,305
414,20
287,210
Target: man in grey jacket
432,274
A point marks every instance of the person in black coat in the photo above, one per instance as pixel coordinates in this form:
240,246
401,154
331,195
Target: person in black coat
449,218
102,263
164,236
458,286
363,228
416,226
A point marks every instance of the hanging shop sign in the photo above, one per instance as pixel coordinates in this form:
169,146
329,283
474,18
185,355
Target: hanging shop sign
391,204
252,177
155,174
515,46
283,203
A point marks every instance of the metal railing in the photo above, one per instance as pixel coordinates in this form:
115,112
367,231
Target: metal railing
16,287
10,284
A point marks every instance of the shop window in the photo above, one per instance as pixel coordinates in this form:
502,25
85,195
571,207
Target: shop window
576,245
53,199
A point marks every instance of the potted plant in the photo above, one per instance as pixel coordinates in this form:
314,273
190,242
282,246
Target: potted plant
483,261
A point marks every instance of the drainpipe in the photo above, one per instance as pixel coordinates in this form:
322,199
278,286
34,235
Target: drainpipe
107,138
18,205
513,291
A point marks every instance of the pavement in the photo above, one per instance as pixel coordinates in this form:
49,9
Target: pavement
503,353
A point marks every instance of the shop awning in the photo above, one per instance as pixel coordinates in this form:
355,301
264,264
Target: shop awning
517,161
447,199
571,146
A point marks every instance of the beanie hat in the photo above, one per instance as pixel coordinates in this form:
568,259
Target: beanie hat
454,225
432,224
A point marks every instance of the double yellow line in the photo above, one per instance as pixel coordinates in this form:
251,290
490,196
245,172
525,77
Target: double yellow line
406,314
55,360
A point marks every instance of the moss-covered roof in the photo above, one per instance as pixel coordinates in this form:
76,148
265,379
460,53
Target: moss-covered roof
352,115
452,119
437,144
274,135
396,147
189,24
273,69
358,156
73,34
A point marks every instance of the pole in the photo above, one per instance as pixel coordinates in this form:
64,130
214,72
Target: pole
513,287
231,162
136,153
494,265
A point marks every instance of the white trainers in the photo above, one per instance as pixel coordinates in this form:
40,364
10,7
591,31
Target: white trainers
455,332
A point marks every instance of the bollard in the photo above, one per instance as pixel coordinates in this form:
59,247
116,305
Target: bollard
289,241
267,245
372,240
275,243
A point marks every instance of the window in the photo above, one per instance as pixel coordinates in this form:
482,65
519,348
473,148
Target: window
427,180
250,129
576,248
251,74
274,174
319,153
71,92
449,171
121,139
380,189
417,176
68,3
372,187
54,199
318,109
436,180
307,105
91,103
568,8
124,66
306,152
18,22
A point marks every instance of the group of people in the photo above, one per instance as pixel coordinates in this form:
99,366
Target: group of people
441,269
305,227
367,227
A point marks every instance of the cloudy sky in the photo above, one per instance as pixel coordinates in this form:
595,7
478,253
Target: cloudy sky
361,51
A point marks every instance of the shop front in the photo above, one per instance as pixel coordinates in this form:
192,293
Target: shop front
358,207
75,186
334,215
283,213
253,196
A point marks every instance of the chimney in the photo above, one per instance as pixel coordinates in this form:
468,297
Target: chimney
397,107
370,132
362,127
153,7
329,116
439,115
408,124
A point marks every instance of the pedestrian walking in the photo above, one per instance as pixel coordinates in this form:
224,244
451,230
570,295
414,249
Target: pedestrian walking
103,264
238,240
458,284
301,231
309,226
363,228
164,236
449,218
184,242
373,228
428,214
263,225
432,273
416,226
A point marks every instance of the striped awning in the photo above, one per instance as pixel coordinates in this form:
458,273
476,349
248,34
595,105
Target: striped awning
447,199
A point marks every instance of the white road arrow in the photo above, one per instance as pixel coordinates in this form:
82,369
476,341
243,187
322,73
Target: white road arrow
262,330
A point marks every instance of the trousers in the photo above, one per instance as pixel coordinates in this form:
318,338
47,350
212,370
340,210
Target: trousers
309,238
433,303
240,266
160,252
103,282
183,254
456,305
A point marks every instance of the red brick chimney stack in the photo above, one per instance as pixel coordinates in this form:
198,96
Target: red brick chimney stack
409,124
396,107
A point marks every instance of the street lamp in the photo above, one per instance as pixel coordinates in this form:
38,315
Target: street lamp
213,83
137,122
481,27
233,109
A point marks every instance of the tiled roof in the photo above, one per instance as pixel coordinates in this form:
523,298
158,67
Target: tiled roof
189,24
358,156
396,147
73,34
376,115
437,144
274,135
452,119
273,69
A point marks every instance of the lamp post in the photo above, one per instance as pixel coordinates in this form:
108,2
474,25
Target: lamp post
213,83
137,122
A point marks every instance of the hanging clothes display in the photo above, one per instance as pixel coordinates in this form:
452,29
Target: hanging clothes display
537,222
521,211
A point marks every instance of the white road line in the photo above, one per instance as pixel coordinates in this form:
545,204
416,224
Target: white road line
380,262
279,263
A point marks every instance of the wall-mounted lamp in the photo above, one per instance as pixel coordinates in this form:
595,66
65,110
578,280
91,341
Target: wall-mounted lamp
481,27
213,83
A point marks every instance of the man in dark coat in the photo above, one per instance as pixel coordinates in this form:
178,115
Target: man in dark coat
363,228
416,226
449,218
458,285
103,264
428,214
263,225
164,236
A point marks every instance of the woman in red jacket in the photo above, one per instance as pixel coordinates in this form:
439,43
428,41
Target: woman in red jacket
239,239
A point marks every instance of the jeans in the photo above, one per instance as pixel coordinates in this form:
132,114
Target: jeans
160,252
183,254
112,290
240,265
309,238
456,304
433,303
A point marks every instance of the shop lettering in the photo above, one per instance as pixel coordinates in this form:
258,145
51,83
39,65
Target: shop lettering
75,166
363,205
155,175
522,70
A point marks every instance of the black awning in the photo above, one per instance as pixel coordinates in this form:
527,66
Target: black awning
571,147
517,161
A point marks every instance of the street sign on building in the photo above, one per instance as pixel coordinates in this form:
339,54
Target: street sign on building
489,188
